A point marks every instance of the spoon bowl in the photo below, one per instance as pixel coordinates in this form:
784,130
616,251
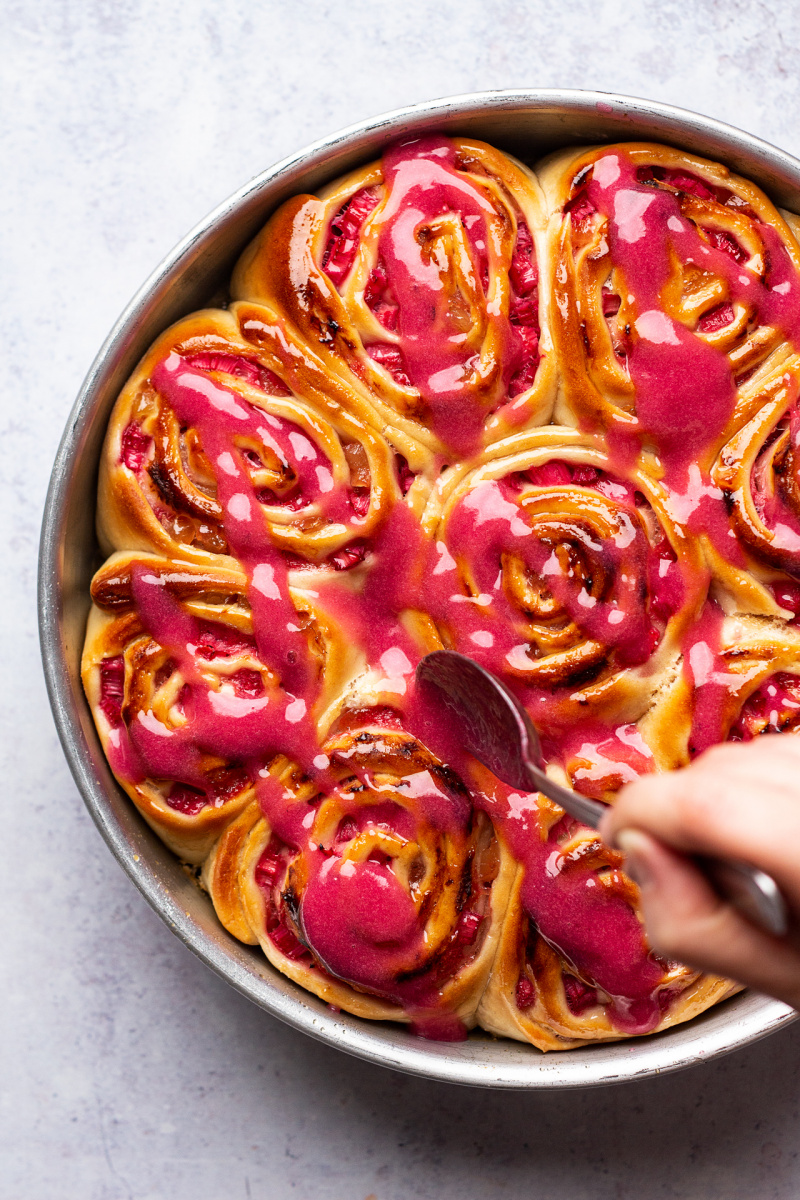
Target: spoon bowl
497,730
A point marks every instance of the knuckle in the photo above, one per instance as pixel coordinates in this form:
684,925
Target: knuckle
667,943
666,937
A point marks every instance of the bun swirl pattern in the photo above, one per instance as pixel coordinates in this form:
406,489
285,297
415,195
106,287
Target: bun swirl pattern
383,889
676,283
181,675
208,427
548,419
569,580
573,964
417,279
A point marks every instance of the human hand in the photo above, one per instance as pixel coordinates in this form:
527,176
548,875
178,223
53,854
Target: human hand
736,801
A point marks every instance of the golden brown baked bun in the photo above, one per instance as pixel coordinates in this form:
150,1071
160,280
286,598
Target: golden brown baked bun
183,695
671,285
565,576
383,892
223,392
419,280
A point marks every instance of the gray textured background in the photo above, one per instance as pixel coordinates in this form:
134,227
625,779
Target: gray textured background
128,1070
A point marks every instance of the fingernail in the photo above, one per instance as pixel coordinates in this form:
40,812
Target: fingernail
634,845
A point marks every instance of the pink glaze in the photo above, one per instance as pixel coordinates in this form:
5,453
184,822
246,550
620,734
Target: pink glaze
591,926
773,708
440,1027
378,939
704,669
685,391
362,923
788,596
371,617
601,758
407,294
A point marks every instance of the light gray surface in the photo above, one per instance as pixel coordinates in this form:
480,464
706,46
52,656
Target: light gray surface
128,1069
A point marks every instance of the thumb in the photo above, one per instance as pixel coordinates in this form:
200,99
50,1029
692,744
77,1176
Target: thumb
687,921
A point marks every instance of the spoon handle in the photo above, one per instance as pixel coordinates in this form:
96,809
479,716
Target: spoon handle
752,892
588,812
497,729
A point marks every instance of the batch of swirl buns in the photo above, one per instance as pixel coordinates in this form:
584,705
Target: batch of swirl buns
549,420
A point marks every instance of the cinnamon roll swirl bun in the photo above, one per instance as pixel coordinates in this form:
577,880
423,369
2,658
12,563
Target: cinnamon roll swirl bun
574,965
417,280
229,435
191,689
569,580
675,283
375,886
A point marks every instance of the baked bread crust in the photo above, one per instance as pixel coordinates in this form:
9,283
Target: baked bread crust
361,337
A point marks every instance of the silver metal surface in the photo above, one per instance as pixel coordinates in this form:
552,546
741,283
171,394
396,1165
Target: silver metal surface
528,124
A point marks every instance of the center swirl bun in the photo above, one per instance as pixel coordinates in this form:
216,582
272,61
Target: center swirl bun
221,437
565,578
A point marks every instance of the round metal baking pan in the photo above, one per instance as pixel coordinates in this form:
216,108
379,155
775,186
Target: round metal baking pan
528,124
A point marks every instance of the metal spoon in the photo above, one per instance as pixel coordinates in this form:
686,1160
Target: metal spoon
496,729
